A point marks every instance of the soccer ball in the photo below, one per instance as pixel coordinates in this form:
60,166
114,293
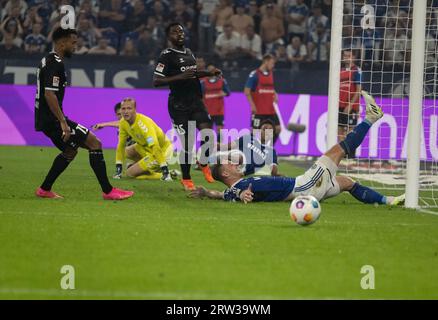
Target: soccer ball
305,210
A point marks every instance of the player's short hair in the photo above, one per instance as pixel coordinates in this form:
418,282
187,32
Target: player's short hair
61,33
267,57
216,172
117,107
170,25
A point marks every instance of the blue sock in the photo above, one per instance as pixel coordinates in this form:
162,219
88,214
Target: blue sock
367,195
353,140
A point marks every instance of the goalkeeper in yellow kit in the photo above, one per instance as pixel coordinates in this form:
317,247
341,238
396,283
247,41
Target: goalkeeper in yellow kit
151,150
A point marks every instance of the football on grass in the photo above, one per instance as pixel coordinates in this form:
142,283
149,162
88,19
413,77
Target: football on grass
305,210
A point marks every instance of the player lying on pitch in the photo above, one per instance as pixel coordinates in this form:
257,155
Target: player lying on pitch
319,181
151,150
254,155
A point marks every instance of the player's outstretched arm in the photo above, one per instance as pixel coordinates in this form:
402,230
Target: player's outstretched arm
204,73
98,126
202,192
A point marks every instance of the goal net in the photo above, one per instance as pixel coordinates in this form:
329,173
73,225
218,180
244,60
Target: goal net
377,48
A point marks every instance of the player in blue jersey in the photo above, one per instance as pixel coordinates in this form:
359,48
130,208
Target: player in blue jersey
319,181
254,155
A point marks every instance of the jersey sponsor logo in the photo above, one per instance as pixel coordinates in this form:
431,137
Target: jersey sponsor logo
160,67
266,91
193,67
257,150
55,81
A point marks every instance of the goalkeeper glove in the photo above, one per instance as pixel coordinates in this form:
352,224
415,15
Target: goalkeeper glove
119,169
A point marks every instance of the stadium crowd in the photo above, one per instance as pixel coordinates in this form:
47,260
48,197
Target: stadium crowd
295,31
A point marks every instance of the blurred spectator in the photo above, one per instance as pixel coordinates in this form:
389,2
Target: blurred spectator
35,42
271,29
397,48
296,50
222,14
32,17
12,26
276,9
318,45
156,30
20,4
326,7
87,11
88,32
137,17
205,26
80,47
102,48
349,39
160,12
147,46
129,49
255,14
240,20
179,14
112,14
297,15
200,63
251,44
281,54
7,46
228,43
315,19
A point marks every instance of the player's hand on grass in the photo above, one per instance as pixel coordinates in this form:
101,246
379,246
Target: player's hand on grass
247,195
119,169
199,193
65,131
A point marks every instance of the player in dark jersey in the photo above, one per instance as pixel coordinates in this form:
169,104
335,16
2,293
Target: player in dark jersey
176,68
65,134
319,181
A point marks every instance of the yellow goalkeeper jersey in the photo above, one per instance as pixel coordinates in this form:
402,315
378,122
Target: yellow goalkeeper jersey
147,134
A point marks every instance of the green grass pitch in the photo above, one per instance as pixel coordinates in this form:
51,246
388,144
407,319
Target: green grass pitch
162,245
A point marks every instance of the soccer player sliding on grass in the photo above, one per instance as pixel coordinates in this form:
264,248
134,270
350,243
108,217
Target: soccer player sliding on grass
65,134
319,181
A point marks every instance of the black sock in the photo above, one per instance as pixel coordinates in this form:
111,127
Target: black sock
185,170
58,166
97,162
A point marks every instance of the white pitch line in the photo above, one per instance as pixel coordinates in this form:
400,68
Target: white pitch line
77,293
435,213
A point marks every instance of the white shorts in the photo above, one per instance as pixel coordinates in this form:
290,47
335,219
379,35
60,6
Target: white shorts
318,181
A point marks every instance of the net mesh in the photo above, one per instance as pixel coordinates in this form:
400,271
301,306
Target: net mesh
377,33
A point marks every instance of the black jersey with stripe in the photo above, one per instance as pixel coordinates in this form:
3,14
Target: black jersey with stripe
173,62
50,76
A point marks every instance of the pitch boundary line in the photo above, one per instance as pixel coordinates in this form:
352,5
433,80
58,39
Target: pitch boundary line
428,211
78,293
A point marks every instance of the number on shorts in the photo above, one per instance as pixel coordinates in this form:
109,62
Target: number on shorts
82,128
179,129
